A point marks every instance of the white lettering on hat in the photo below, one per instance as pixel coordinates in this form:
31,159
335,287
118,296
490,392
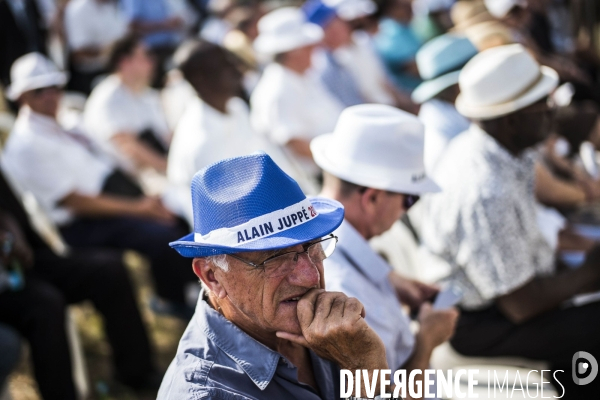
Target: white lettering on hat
259,227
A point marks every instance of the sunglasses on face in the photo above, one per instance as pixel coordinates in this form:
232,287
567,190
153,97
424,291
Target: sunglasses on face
410,200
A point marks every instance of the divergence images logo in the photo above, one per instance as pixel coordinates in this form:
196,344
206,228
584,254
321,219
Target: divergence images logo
584,363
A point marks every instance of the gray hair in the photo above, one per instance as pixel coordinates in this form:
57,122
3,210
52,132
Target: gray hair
219,261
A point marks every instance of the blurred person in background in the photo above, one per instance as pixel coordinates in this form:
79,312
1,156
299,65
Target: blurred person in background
288,105
160,28
370,163
40,276
484,224
91,200
125,114
216,122
440,62
91,28
10,348
397,43
22,31
336,34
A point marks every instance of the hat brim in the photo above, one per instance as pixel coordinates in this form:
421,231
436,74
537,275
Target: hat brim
331,215
383,179
310,34
429,89
545,86
16,89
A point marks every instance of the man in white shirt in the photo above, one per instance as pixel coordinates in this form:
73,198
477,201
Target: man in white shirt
91,27
124,114
484,225
288,105
373,165
92,202
215,125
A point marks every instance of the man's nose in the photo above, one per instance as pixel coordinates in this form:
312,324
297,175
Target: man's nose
305,274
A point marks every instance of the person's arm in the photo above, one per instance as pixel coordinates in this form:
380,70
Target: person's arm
543,294
555,192
411,292
141,154
300,147
21,249
436,327
104,205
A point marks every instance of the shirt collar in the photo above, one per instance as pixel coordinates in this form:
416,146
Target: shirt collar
257,360
355,247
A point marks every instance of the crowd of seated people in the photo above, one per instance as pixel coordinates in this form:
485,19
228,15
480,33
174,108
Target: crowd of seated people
482,112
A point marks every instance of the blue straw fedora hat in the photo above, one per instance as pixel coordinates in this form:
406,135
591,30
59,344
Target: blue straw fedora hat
439,62
249,204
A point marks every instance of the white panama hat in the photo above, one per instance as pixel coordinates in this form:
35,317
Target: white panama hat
285,29
502,80
33,71
377,146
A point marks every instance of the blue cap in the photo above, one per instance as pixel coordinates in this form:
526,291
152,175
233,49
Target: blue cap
439,62
318,13
249,204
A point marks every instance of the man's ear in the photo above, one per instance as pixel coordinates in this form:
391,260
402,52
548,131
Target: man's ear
207,272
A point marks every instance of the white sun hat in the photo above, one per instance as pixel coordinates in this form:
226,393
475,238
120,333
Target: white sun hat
285,29
500,8
33,71
377,146
502,80
349,10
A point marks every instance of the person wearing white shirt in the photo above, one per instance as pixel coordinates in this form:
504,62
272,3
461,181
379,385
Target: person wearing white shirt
288,105
372,164
125,114
91,27
93,202
215,125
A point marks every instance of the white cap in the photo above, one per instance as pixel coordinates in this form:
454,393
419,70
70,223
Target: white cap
376,146
502,80
33,71
285,29
500,8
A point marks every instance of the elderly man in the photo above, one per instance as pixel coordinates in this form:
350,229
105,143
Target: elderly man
484,224
265,328
91,200
376,186
288,105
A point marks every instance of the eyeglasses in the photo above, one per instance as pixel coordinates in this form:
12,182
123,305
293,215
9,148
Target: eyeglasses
283,264
410,200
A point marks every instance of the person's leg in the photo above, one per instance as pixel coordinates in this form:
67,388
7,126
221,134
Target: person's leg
100,276
554,337
171,272
10,348
37,312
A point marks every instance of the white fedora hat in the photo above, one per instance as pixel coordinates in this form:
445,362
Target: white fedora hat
377,146
502,80
33,71
285,29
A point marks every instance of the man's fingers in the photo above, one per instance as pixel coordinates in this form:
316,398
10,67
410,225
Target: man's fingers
298,339
306,307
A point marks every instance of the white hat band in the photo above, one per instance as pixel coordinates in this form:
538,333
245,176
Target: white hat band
260,227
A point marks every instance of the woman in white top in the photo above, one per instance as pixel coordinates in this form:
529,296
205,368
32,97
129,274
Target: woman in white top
288,105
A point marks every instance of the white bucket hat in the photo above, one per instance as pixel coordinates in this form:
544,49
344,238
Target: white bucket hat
349,10
502,80
377,146
33,71
285,29
500,8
